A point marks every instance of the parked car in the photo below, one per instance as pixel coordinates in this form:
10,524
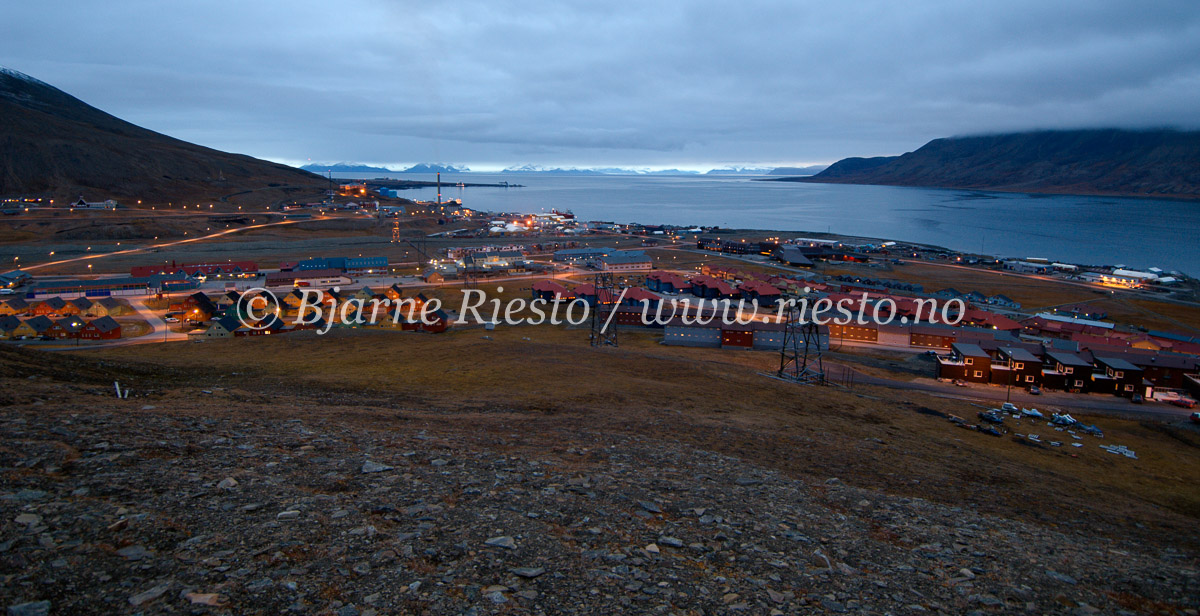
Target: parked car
1186,403
6,291
1035,390
1136,399
1008,407
1195,417
960,382
171,320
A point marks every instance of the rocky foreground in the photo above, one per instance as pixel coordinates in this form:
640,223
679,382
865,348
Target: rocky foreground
159,512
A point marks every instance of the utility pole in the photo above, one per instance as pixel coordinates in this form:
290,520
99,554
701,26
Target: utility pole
800,355
600,335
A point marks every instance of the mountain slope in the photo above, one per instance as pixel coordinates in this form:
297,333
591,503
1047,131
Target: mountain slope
53,144
1160,163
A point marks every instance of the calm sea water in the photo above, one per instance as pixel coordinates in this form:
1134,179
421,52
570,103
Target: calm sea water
1094,230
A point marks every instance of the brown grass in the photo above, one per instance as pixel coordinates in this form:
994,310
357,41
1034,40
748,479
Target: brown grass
555,384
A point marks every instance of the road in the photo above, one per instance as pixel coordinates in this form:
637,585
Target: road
202,238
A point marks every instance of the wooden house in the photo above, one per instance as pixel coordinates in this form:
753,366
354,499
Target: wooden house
53,305
966,361
225,327
1018,368
1117,376
13,306
550,291
66,327
103,328
109,307
32,328
1066,371
78,306
7,324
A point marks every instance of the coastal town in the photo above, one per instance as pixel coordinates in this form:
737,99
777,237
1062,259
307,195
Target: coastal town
655,309
986,339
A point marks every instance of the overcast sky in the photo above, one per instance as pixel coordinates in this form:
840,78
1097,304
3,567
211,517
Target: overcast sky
691,84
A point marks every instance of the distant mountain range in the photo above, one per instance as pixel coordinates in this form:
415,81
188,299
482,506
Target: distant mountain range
53,144
1144,163
346,167
359,168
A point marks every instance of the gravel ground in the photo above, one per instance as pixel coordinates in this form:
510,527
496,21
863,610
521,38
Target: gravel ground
243,511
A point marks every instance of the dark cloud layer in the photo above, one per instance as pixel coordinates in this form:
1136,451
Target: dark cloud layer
618,83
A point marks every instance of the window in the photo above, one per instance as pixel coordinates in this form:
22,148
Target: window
1069,371
1018,366
979,374
1120,374
1129,388
969,361
1079,383
1028,378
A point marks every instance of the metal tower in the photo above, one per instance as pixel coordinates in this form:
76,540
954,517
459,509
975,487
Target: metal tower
800,356
604,293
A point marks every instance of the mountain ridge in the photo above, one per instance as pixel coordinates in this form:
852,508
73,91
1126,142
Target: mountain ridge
1115,162
55,145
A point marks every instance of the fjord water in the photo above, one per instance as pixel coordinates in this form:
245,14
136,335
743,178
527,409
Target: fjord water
1092,230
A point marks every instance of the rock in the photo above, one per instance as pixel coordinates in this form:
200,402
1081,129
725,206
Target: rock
28,519
730,597
527,572
348,610
133,552
371,466
149,595
497,597
775,596
652,548
287,515
833,606
227,483
208,598
650,506
502,542
1060,577
439,462
747,481
671,542
988,600
32,608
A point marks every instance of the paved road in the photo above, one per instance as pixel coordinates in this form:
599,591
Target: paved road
150,247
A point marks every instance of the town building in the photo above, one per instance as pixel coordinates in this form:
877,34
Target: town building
625,261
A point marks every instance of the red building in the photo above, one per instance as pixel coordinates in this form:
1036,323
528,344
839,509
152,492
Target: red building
66,327
104,328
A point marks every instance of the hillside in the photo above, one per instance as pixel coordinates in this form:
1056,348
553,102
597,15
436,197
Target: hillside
53,144
1152,163
336,476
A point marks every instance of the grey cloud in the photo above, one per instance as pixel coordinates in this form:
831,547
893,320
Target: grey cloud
631,83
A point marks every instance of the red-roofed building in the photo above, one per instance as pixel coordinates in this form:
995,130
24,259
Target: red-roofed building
666,282
551,291
709,287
